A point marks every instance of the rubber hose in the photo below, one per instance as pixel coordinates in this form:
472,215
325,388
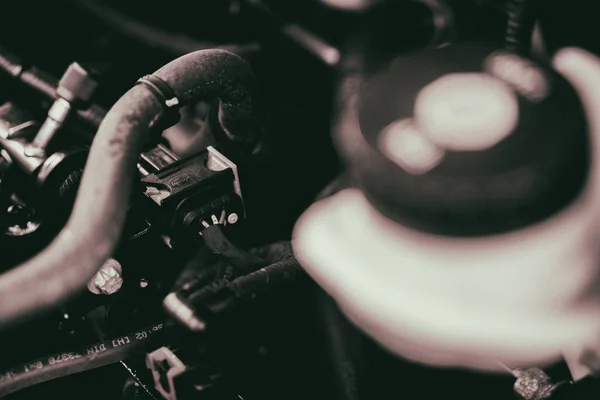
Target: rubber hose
90,236
265,279
75,361
237,89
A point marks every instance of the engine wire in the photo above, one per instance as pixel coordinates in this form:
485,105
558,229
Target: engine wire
155,37
72,362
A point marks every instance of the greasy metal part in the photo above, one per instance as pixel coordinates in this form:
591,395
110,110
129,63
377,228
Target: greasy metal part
533,383
92,232
15,124
57,115
94,228
48,166
75,87
17,150
108,280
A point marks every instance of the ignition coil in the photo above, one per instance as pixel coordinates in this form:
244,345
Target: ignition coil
180,195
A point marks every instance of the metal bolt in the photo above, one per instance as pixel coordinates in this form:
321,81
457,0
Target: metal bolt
233,218
34,151
20,221
533,384
108,280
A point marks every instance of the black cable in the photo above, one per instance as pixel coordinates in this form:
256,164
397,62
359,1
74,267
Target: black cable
225,274
197,271
231,262
266,279
67,363
153,36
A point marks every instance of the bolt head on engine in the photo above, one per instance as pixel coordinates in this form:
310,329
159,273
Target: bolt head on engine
108,280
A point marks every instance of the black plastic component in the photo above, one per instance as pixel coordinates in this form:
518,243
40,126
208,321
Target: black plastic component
187,191
535,172
216,240
59,181
587,388
157,158
177,377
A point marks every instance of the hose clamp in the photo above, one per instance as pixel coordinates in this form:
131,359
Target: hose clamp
161,90
166,97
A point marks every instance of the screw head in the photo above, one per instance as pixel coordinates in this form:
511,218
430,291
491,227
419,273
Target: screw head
76,84
20,221
108,280
232,218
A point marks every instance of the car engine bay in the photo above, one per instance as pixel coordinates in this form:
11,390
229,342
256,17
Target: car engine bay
155,158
